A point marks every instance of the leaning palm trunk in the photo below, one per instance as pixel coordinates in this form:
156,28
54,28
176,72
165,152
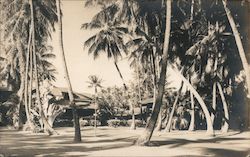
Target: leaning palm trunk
210,130
159,121
191,125
147,134
240,48
169,124
133,126
47,127
225,126
77,137
120,74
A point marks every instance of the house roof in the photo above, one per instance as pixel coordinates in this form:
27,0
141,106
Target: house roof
82,100
150,101
79,97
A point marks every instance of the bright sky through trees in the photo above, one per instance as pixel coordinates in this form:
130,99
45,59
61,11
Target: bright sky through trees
80,64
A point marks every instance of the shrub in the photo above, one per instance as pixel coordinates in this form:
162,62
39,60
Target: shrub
83,122
138,123
114,122
123,123
92,122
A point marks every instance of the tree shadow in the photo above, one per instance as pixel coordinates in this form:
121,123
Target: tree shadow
227,152
181,142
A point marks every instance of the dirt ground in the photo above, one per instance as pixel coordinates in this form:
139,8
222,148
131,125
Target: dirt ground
120,142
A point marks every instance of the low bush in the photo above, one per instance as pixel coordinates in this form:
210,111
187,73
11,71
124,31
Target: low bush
138,123
92,122
123,123
84,122
114,122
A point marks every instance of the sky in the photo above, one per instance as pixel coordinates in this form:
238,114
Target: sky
80,64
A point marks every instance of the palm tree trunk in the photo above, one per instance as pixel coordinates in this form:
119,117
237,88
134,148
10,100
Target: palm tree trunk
210,130
120,74
95,108
214,89
28,58
169,124
139,86
20,92
146,136
77,137
133,126
47,128
126,90
213,103
192,11
240,48
159,121
191,125
225,127
30,81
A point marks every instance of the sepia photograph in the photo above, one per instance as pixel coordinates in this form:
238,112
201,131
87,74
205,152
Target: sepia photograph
124,78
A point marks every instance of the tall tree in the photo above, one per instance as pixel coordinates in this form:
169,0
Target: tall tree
77,137
147,134
239,46
47,126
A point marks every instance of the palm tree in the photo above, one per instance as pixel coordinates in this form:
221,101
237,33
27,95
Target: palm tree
19,31
210,130
77,137
95,82
109,40
146,136
239,45
47,126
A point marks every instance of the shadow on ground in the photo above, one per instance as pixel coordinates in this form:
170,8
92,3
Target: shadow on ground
13,143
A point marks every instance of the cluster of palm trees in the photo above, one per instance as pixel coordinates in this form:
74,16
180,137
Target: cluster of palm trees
185,36
27,26
191,40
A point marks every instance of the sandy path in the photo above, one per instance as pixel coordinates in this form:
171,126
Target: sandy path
120,142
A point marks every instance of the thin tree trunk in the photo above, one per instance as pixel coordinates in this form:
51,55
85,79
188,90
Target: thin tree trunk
214,88
240,49
147,134
20,92
95,108
210,130
159,121
225,127
191,125
169,124
30,81
213,103
139,87
126,91
77,137
47,128
192,11
28,60
120,74
133,126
